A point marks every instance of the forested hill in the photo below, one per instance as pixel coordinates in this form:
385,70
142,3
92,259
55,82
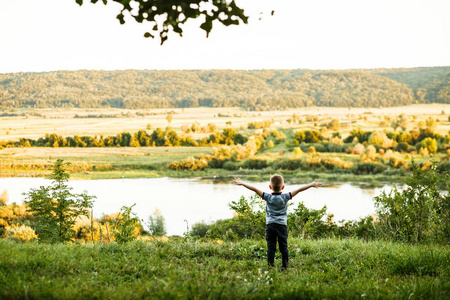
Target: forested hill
257,90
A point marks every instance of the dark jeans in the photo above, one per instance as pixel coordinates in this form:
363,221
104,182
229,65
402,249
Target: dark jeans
276,232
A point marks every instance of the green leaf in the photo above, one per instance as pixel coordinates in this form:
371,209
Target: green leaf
80,2
121,18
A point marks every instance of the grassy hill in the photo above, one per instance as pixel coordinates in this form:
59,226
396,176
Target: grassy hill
255,90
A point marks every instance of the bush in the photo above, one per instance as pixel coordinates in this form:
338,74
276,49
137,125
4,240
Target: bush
199,229
430,144
444,167
307,136
307,222
20,233
320,147
157,224
4,198
335,162
297,151
332,147
257,164
420,212
287,164
402,147
230,166
189,163
367,168
249,221
125,225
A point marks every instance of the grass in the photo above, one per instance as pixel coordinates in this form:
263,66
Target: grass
319,269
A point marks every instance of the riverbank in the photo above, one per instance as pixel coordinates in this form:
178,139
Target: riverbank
221,175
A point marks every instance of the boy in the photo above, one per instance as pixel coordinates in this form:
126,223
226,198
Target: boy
276,215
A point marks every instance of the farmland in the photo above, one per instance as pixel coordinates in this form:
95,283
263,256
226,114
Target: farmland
132,162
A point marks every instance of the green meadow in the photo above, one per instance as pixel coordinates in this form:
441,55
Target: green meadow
181,268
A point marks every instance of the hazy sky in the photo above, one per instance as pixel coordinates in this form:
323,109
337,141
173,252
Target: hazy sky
49,35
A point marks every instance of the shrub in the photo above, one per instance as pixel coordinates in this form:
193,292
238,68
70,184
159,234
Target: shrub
94,231
199,229
335,147
335,162
307,222
443,167
420,212
430,144
189,163
297,151
320,147
20,233
230,166
249,221
402,147
333,125
358,149
367,168
257,164
125,225
287,164
157,224
369,155
4,198
397,162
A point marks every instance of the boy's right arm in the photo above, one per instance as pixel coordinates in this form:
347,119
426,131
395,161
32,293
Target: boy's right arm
252,188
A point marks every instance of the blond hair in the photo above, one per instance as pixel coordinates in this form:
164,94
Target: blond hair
277,182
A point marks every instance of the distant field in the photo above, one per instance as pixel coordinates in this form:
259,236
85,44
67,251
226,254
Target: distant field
101,156
62,122
131,162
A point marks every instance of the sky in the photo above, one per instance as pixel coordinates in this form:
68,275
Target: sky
51,35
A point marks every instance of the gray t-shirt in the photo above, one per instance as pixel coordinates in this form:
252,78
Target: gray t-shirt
276,207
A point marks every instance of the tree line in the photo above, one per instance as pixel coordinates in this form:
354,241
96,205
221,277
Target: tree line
254,90
158,138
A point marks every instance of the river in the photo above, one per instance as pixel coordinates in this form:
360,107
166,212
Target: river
197,199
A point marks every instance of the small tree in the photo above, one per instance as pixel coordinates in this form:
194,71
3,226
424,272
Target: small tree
156,224
125,225
169,118
430,144
333,125
56,208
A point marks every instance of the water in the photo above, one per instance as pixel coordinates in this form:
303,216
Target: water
197,200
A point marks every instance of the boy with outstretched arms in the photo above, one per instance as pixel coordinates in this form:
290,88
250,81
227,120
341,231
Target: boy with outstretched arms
276,215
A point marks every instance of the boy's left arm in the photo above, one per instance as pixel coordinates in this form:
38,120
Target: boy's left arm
315,184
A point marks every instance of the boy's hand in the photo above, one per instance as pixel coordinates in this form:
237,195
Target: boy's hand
237,181
316,184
